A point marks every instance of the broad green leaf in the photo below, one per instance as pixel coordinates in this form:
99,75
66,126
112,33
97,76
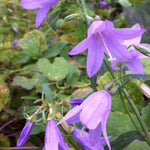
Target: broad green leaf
146,115
123,140
33,43
55,50
137,2
38,128
25,82
55,71
4,95
137,145
119,123
48,94
73,74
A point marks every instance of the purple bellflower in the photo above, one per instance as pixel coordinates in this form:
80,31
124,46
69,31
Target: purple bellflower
104,38
104,3
25,133
75,102
15,29
135,55
44,6
14,43
54,138
93,114
83,139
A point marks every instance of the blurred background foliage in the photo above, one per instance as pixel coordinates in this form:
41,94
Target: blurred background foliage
40,57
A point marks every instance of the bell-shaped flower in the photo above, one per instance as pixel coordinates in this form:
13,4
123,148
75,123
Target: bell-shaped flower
54,138
83,139
93,114
25,133
135,66
44,6
104,38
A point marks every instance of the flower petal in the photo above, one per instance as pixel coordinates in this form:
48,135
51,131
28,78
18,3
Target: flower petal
93,109
116,49
134,41
51,136
95,56
94,135
82,46
127,33
72,116
135,66
33,4
41,15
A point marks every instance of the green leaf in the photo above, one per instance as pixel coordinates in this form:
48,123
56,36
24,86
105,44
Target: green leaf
55,50
55,71
25,82
124,3
137,145
73,74
145,115
119,123
33,43
103,80
48,94
123,140
137,2
4,95
38,128
146,64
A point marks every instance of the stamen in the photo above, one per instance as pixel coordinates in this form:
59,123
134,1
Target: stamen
80,135
110,56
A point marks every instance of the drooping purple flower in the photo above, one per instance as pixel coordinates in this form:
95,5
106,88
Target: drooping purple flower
135,66
104,3
25,133
15,29
75,102
14,43
83,139
93,114
44,6
104,38
54,138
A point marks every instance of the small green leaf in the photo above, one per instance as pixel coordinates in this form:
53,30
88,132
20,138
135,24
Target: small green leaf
55,71
25,82
124,3
33,43
55,50
73,74
48,94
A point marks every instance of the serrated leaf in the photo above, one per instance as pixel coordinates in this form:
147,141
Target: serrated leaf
4,95
55,50
48,94
73,74
33,43
25,82
55,71
123,140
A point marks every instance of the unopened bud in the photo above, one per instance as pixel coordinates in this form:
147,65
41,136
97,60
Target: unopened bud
143,49
72,16
108,85
67,127
145,90
114,89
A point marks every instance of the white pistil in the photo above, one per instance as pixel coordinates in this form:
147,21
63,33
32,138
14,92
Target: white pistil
80,135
